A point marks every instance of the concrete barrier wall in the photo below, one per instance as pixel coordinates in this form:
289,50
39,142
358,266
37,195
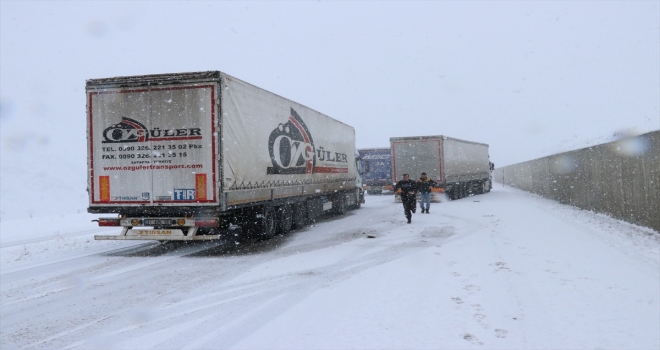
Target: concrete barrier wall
621,178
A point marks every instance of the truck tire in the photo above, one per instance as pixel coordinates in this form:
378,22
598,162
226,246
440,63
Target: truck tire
299,215
358,202
481,187
284,218
455,192
459,192
341,204
268,223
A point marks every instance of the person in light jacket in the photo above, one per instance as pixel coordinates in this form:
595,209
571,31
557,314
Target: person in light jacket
424,185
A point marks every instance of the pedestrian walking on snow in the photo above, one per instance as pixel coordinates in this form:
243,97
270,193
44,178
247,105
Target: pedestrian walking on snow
408,189
424,185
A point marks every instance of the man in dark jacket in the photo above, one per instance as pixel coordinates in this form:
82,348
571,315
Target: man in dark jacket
424,185
408,189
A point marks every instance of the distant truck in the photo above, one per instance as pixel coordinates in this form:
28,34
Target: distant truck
459,167
377,169
191,156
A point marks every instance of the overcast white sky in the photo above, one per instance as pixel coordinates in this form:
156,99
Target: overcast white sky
530,78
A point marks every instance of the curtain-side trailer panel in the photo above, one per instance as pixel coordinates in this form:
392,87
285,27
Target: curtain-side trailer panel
465,160
270,142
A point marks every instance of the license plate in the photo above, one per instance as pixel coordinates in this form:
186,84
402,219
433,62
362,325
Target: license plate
154,232
150,222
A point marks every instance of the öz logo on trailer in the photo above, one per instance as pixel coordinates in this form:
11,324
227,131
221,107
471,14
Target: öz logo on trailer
128,130
291,147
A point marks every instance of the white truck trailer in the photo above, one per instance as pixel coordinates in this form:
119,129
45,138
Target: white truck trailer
191,156
459,167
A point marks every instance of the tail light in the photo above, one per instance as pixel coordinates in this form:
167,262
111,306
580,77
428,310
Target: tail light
108,222
207,223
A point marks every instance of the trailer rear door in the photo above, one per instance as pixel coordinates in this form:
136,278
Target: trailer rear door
415,156
153,146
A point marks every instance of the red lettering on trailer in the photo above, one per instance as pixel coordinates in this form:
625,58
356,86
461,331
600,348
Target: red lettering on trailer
332,170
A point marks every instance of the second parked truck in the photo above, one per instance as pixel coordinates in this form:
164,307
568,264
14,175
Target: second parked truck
377,170
460,167
190,156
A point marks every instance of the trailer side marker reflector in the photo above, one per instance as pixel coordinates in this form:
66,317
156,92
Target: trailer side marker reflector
200,186
104,188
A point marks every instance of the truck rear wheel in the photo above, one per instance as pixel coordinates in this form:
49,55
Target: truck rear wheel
284,218
341,204
299,215
359,198
268,223
457,192
481,187
451,194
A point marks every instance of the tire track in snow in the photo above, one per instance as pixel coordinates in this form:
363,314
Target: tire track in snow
292,289
118,283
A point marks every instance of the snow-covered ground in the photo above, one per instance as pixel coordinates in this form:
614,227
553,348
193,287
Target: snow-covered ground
505,270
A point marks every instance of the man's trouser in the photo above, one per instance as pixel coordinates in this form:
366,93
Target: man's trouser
408,206
425,198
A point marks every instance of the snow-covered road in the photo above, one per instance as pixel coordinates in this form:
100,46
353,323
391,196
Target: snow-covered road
501,270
